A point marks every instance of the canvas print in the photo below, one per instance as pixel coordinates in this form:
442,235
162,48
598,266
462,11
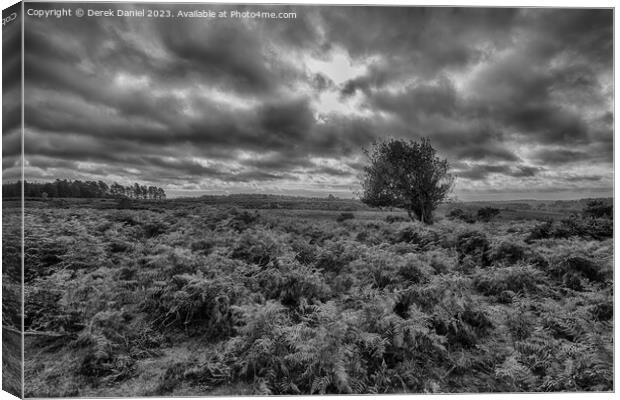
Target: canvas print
228,199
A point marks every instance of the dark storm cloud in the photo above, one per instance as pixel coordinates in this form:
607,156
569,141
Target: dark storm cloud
416,40
331,171
560,156
482,171
584,178
277,162
475,142
230,56
423,99
288,120
500,92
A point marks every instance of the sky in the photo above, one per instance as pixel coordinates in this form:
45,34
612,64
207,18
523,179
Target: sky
518,100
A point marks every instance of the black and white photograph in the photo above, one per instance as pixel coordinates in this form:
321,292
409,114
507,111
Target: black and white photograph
222,199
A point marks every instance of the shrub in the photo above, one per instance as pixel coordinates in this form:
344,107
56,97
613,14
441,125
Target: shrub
464,327
537,260
118,246
422,237
380,278
602,311
578,266
517,279
508,251
45,311
152,229
345,216
461,215
598,209
520,324
595,228
204,246
194,303
411,272
543,230
390,219
475,245
257,247
240,221
486,214
334,256
588,228
305,253
123,203
111,347
506,297
124,217
167,261
280,357
293,284
43,258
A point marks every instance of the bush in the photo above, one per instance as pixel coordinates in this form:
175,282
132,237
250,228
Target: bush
293,284
450,311
411,272
465,327
508,251
518,279
474,245
334,256
543,230
594,228
486,214
578,267
257,247
459,214
240,221
588,228
520,324
204,246
602,311
390,219
537,260
111,347
380,278
598,209
345,216
152,229
195,304
124,217
123,203
423,238
119,246
305,253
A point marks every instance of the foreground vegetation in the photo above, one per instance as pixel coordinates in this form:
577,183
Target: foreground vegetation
208,299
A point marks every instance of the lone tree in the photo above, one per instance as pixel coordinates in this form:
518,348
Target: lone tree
406,174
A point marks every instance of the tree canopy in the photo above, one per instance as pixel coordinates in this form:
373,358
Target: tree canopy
406,174
82,189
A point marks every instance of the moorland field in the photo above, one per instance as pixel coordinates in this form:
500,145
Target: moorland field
268,295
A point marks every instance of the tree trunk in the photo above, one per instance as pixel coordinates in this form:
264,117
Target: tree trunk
422,213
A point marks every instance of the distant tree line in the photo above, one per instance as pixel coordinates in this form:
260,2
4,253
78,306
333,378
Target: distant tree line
83,189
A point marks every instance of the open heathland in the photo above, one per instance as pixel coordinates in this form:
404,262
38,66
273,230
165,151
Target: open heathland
188,298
